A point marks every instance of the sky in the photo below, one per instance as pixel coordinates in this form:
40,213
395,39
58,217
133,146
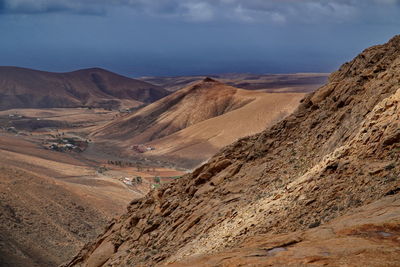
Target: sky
192,37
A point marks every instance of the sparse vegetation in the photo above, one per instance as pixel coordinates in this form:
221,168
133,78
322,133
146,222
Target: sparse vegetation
157,179
102,169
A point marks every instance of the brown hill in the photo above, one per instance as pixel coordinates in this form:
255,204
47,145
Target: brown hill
337,152
27,88
197,143
196,103
192,124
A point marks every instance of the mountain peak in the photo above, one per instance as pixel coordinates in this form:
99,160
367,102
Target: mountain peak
208,80
208,83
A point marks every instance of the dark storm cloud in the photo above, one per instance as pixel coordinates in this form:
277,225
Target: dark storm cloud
173,37
51,6
275,11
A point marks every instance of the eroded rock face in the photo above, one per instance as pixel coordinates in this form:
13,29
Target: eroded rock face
367,237
340,150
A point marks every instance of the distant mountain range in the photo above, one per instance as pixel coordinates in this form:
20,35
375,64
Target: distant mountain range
95,87
270,83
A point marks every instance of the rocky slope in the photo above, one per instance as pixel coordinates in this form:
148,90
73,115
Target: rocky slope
369,236
339,151
27,88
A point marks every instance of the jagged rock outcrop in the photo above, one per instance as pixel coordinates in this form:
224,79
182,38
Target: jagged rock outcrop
340,150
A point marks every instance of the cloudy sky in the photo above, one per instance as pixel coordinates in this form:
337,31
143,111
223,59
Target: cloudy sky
182,37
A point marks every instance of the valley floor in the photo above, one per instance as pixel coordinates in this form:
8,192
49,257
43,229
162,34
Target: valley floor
53,201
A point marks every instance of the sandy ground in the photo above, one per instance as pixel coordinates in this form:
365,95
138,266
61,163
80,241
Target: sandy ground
204,139
51,202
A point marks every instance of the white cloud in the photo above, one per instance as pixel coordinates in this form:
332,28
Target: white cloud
251,15
198,11
277,17
243,15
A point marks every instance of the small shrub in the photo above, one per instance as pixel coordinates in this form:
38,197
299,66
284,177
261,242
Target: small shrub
157,179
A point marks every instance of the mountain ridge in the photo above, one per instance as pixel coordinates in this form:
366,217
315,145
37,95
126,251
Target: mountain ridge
92,87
